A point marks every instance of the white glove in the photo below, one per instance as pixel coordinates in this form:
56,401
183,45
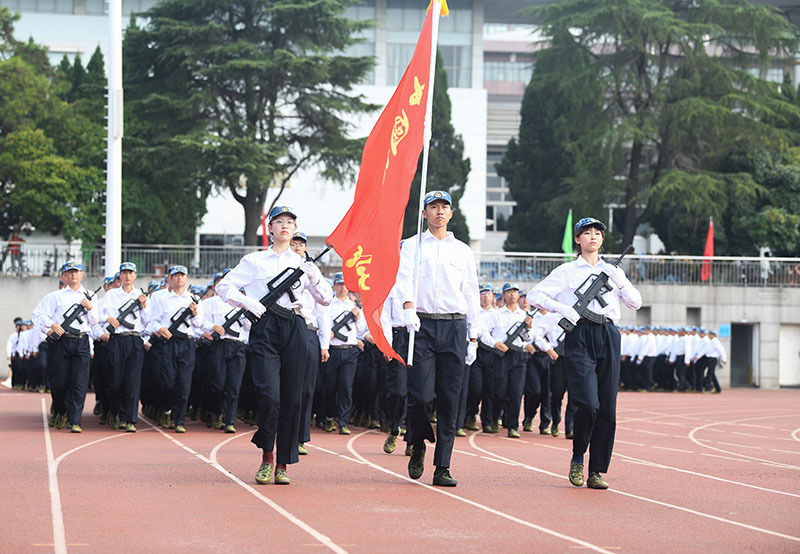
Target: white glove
570,313
472,352
411,320
617,276
254,306
312,272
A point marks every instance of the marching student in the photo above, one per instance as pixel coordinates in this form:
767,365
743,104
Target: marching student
226,357
68,356
537,382
509,369
279,349
17,373
318,335
481,373
396,375
126,349
177,349
546,334
592,350
716,354
340,371
443,314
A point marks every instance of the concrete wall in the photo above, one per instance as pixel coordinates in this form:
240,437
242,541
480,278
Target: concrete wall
767,309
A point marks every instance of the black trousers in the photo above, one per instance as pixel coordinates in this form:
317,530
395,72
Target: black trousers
278,360
310,385
151,368
125,376
177,366
337,383
592,353
69,376
711,377
18,376
558,386
397,381
440,348
508,386
225,378
681,373
537,388
100,369
476,372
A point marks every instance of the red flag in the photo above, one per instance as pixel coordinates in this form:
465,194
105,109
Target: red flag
705,272
368,237
264,237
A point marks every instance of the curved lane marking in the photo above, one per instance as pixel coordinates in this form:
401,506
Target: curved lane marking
57,517
212,461
472,503
642,498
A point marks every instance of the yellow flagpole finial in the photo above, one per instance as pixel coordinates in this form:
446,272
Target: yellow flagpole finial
444,9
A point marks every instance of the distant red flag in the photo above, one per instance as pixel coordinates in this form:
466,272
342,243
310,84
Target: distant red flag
264,238
705,272
368,237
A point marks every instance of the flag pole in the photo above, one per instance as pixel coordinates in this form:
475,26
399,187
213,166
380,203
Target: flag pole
426,147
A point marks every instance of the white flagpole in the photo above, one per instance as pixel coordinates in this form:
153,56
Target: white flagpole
436,6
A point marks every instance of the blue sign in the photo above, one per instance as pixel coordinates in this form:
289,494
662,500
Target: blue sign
724,330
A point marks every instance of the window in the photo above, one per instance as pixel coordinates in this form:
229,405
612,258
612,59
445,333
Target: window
511,71
499,202
457,63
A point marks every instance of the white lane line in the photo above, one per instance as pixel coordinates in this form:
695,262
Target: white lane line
705,427
748,434
631,459
725,457
652,433
682,426
323,539
472,503
559,448
756,426
785,451
796,434
57,517
739,445
650,500
332,453
464,452
617,441
673,449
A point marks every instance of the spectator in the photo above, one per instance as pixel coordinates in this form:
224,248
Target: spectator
15,250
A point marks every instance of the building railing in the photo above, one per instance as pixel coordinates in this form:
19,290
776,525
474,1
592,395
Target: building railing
495,267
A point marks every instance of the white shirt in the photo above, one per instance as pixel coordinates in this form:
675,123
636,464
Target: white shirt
718,351
216,311
546,331
564,280
485,318
166,303
337,308
256,269
11,345
448,278
646,347
113,300
51,309
502,321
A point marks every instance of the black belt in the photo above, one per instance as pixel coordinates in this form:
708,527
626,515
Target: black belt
130,334
600,320
285,313
311,327
72,336
423,315
342,346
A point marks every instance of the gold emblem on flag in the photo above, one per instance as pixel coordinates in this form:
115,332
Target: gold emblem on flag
359,260
399,131
416,96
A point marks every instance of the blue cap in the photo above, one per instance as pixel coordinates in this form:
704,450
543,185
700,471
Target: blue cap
509,286
69,266
588,222
486,287
498,296
300,235
435,195
28,322
108,280
153,284
338,278
127,266
178,269
523,292
280,210
116,275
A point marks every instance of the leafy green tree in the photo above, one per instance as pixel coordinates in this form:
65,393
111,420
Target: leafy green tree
447,168
560,111
267,90
678,95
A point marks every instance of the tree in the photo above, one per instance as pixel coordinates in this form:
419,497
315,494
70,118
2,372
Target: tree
49,175
678,95
267,90
447,168
560,110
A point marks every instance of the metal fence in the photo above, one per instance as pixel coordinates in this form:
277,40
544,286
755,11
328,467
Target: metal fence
496,267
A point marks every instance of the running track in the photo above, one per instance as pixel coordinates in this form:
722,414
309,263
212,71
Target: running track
691,472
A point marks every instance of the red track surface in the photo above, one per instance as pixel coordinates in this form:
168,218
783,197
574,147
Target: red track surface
708,473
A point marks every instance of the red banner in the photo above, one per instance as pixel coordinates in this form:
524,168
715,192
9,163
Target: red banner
705,271
368,238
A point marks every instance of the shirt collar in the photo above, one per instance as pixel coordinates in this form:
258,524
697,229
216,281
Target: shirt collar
581,261
427,235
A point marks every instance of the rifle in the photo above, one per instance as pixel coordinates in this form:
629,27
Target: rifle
230,318
282,283
130,308
344,319
594,285
517,330
71,315
180,317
